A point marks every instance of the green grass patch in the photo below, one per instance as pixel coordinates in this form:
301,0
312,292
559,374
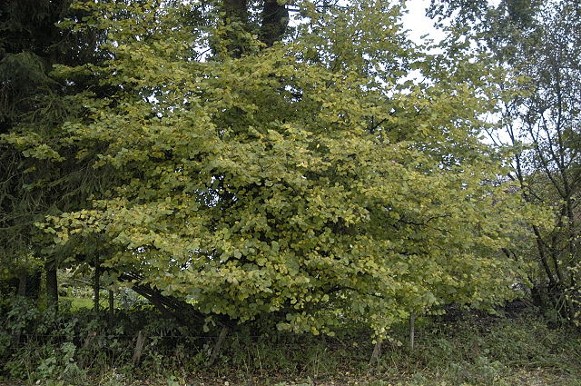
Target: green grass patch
77,303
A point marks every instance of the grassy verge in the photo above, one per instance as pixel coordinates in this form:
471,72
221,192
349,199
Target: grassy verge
472,350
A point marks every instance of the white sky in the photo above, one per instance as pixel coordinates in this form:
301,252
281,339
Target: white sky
417,23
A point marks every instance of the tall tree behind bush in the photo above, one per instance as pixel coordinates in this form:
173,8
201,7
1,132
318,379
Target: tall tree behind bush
38,173
538,42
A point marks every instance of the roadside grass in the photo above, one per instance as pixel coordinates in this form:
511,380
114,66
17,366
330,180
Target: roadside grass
473,349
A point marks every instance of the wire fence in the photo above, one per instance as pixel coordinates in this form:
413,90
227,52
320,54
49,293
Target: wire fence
91,337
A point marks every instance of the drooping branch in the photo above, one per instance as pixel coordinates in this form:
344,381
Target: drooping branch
179,310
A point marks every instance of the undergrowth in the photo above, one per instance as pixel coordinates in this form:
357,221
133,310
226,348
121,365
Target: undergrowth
80,347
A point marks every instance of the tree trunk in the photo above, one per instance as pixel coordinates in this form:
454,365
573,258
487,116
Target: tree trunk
376,354
218,345
412,330
97,285
52,293
139,344
275,19
111,306
236,18
274,22
22,282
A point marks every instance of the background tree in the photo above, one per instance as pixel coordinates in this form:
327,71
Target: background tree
39,175
537,42
28,49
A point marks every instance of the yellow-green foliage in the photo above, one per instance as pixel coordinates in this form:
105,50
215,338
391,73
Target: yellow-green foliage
308,179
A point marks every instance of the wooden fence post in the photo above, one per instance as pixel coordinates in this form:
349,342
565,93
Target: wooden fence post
138,348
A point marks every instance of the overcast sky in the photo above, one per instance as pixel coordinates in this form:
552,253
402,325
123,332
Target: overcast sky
416,21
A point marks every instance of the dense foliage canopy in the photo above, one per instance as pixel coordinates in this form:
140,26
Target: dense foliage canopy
327,173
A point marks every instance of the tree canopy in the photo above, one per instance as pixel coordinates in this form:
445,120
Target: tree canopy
537,43
327,173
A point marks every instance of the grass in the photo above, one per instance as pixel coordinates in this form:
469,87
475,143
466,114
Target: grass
476,350
470,350
77,303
